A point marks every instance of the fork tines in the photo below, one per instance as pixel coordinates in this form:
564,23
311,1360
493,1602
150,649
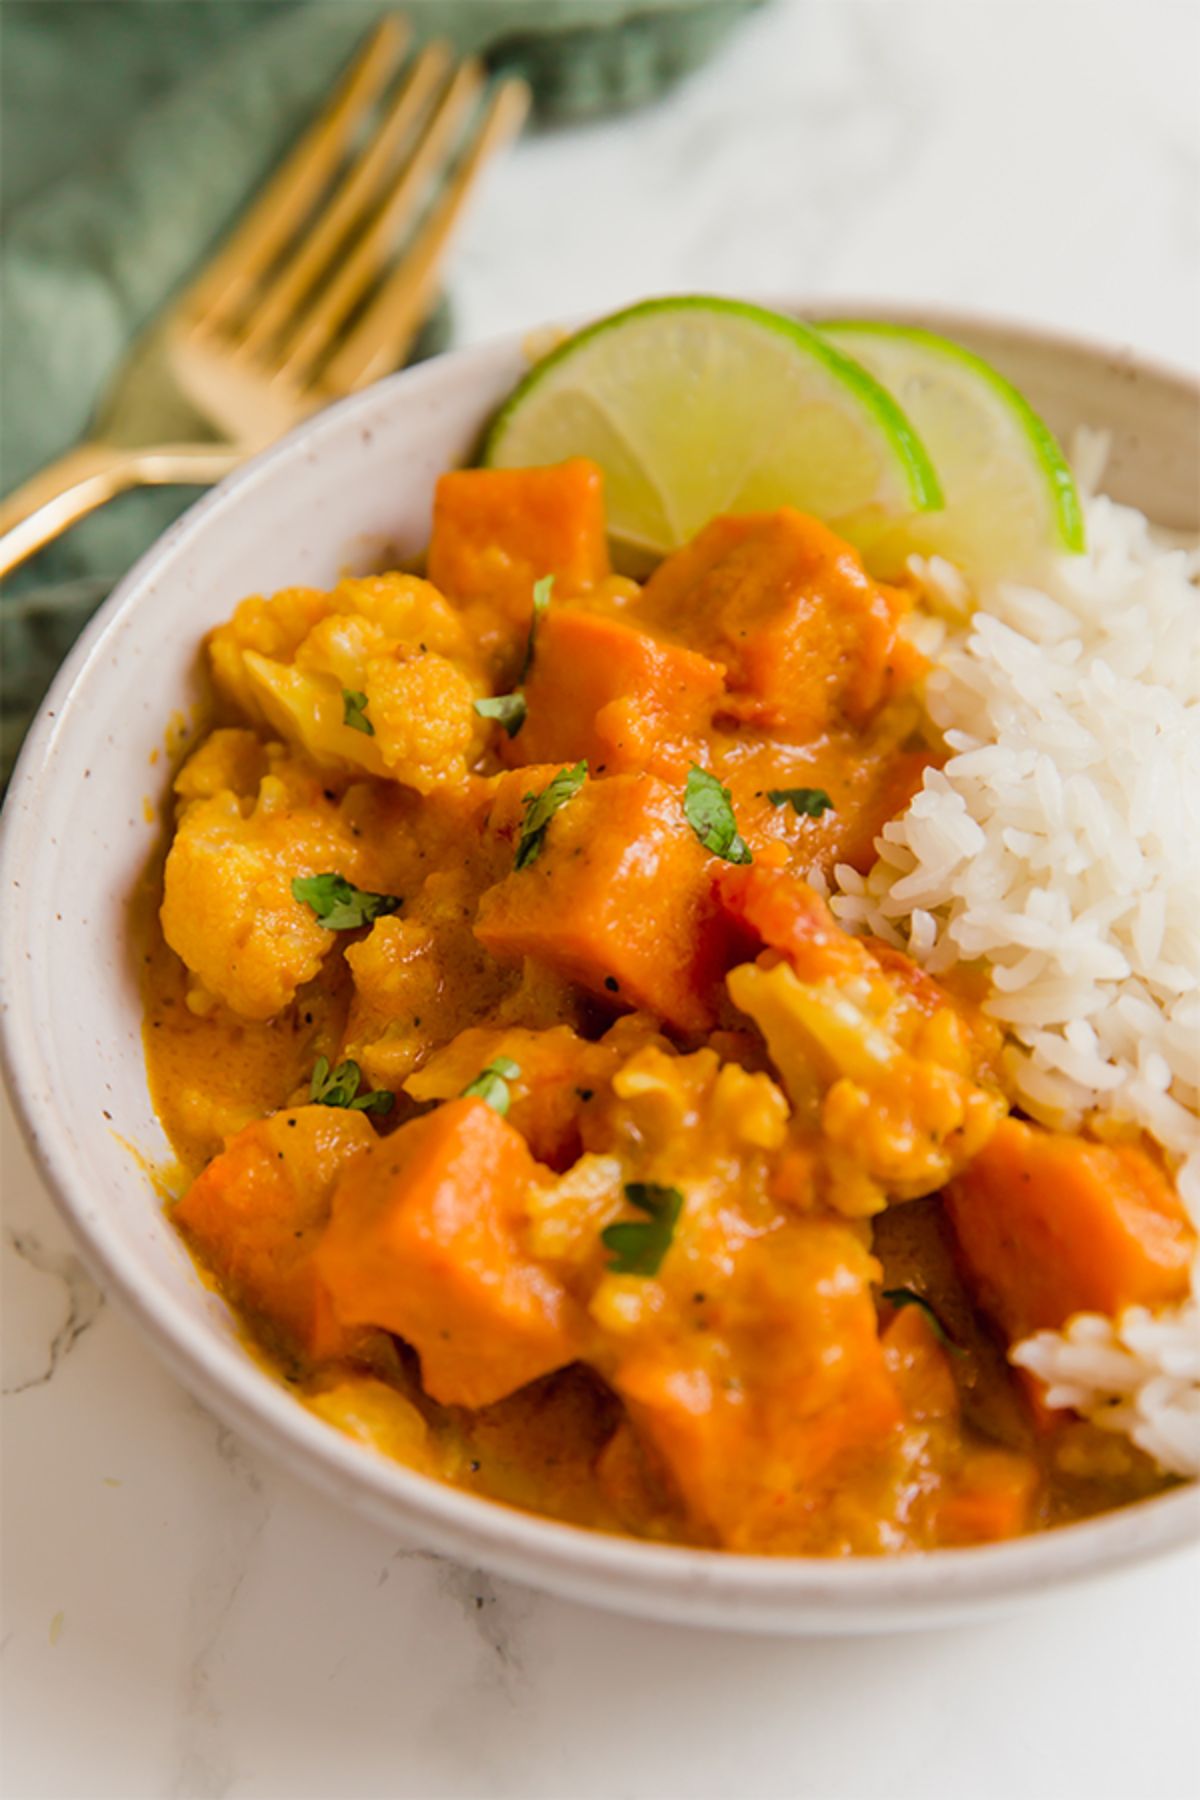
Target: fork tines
330,275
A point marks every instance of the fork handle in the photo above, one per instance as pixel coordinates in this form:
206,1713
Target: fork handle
74,485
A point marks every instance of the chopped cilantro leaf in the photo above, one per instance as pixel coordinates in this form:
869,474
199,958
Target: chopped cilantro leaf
542,591
541,808
709,811
491,1084
808,803
507,710
338,904
339,1087
639,1246
354,711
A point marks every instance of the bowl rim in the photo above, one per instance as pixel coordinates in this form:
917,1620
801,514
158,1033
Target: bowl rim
628,1574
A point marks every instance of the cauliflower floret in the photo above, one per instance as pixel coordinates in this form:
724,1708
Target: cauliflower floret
291,661
691,1123
229,758
273,628
405,608
420,980
731,1110
423,708
897,1095
228,910
376,1415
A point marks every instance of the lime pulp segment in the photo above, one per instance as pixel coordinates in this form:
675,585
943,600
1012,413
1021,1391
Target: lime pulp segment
1009,494
697,406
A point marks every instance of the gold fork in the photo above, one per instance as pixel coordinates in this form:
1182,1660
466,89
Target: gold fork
306,301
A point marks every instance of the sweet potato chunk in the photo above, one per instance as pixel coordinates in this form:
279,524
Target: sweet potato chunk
770,908
753,1459
497,531
558,1067
809,641
600,689
679,574
1049,1225
425,1241
257,1212
617,899
919,1365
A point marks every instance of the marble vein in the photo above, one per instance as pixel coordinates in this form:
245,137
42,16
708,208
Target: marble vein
83,1300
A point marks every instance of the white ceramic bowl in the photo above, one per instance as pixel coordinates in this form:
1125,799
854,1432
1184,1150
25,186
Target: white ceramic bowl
76,838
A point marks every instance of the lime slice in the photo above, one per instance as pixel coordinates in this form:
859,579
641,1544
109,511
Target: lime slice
699,406
1009,494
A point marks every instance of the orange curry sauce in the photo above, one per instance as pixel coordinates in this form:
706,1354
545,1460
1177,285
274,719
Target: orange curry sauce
651,1199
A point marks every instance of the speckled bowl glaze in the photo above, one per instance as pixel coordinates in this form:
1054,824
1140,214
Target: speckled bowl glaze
80,824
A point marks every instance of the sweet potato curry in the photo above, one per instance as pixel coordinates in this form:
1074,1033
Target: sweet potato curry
543,1127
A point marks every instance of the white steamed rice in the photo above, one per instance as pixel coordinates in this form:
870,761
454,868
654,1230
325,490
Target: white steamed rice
1060,843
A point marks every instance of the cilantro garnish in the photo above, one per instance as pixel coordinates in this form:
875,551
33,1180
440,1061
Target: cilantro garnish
491,1084
808,803
905,1296
542,591
509,709
354,711
541,808
638,1246
709,811
339,1087
338,904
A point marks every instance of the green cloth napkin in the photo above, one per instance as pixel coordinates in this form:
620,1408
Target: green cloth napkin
131,135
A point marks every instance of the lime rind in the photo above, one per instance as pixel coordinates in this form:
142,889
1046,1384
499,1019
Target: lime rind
914,482
1064,505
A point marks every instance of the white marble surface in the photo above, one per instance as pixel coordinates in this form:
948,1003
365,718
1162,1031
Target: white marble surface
181,1619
